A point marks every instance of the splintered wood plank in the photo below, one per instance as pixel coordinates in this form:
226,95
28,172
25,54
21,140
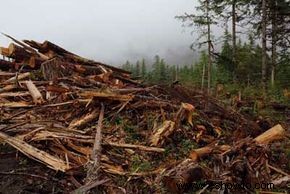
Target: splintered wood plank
35,154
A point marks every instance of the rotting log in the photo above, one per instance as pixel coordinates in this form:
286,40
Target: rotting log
34,92
34,153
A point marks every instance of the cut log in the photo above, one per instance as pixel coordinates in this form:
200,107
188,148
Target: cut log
43,57
79,122
35,154
96,153
34,92
275,133
50,49
18,77
93,168
18,53
4,51
47,46
204,151
33,44
34,62
22,56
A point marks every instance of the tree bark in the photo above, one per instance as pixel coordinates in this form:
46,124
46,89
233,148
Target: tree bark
264,46
209,48
203,75
274,42
234,39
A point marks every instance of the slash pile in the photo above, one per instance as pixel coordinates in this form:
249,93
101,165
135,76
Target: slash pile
103,131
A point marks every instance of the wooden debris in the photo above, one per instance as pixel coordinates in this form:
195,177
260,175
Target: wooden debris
204,151
78,122
32,152
92,174
275,133
36,95
138,147
161,133
106,95
272,134
17,77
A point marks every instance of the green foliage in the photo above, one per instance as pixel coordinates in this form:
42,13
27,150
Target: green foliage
187,145
139,165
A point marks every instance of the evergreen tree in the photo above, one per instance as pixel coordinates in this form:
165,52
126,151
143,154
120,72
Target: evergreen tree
203,21
138,69
143,69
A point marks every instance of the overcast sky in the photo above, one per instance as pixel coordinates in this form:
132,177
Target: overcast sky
110,31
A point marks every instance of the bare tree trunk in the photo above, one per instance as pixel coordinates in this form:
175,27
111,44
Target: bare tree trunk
234,39
264,46
274,42
209,47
